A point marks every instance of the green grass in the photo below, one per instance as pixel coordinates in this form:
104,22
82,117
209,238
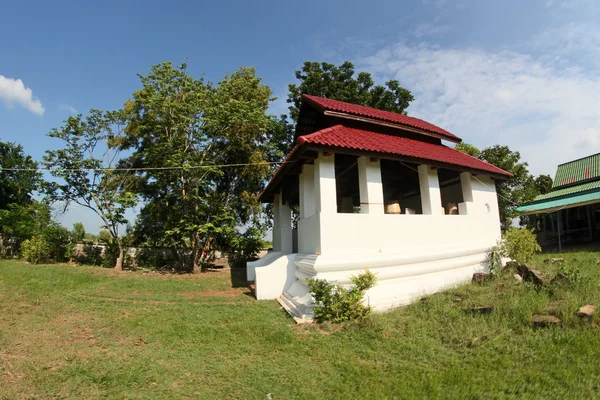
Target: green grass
83,332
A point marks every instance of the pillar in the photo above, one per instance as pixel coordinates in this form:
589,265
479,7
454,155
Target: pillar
431,198
282,226
467,186
588,210
307,191
324,181
371,189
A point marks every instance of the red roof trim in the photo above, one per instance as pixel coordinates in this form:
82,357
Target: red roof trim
340,136
325,104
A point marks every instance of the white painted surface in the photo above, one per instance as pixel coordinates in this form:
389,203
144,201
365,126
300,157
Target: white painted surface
411,255
431,199
307,191
324,179
272,279
371,189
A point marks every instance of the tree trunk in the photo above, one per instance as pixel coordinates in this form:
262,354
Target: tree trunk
119,262
196,254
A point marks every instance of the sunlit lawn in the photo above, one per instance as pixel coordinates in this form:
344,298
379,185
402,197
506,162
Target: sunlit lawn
84,332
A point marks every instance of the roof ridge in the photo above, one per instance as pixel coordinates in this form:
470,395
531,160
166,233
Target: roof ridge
579,159
398,120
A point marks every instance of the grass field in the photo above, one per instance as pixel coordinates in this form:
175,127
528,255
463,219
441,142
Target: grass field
83,332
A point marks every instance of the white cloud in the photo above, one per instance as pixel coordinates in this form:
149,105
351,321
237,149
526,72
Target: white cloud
430,29
546,107
66,107
13,92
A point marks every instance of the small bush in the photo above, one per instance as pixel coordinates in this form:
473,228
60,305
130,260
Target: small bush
520,245
494,260
572,273
335,303
35,250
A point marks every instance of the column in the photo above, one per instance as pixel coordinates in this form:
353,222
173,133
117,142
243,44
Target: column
588,210
282,226
307,191
371,189
324,181
431,198
467,187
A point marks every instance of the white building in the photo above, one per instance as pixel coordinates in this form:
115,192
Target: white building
375,190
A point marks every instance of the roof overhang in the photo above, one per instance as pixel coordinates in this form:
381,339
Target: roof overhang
297,157
560,203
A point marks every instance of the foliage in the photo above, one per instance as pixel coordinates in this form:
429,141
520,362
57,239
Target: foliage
543,184
336,303
91,255
468,149
105,237
18,210
17,185
78,232
19,222
572,273
494,259
85,169
59,240
246,246
176,120
35,250
520,245
339,83
516,190
111,253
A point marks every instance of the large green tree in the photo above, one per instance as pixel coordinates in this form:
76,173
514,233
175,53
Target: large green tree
543,184
19,212
85,170
337,82
518,189
342,83
202,151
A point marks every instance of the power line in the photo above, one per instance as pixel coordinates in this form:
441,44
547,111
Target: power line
145,168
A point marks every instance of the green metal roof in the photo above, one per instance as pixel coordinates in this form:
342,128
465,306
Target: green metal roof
576,171
550,204
569,190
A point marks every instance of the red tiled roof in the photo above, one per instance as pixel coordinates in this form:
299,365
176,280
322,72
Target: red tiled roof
340,136
369,112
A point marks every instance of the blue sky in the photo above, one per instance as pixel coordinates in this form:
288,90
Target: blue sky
521,73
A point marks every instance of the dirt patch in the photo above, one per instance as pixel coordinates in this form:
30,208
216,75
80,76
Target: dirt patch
233,292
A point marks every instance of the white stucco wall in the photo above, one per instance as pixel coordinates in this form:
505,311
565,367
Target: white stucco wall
411,255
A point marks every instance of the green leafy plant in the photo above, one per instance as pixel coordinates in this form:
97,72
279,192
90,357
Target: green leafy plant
494,259
571,272
520,245
35,250
336,303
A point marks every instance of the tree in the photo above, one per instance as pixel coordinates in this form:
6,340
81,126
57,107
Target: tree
78,232
19,179
518,189
543,184
468,149
185,130
19,176
86,173
339,83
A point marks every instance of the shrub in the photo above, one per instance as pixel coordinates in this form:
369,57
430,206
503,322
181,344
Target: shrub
35,250
336,303
494,259
572,273
520,245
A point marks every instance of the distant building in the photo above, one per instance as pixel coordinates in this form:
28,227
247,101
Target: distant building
570,213
375,190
